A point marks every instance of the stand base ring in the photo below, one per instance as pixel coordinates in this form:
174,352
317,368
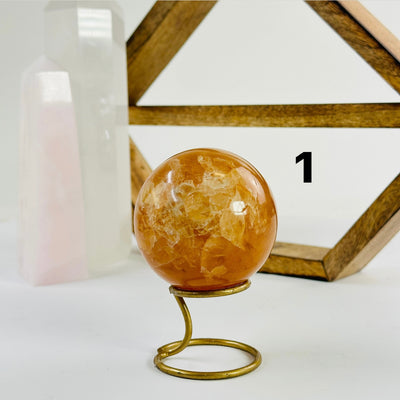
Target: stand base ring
165,351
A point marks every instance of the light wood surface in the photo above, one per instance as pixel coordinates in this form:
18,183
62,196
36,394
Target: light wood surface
362,41
312,253
385,115
158,38
379,31
296,260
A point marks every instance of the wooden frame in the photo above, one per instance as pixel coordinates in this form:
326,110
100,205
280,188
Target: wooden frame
166,28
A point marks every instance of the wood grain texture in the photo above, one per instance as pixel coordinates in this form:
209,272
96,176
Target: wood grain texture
312,253
367,236
140,170
368,47
385,115
376,244
369,22
158,38
296,260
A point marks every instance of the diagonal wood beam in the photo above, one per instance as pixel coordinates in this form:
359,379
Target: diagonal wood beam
379,31
158,38
384,115
369,234
359,38
140,170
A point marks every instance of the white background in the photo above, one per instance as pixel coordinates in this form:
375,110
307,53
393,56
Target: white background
95,339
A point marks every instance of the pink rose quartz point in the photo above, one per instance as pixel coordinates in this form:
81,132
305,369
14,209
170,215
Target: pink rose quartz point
52,232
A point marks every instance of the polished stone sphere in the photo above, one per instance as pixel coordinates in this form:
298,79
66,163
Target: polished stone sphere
205,220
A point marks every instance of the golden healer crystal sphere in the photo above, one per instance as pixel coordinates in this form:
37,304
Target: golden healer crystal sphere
205,220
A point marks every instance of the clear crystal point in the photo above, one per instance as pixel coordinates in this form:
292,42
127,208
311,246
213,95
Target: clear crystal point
87,39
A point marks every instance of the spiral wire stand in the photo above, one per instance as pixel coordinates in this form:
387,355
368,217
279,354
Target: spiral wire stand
174,348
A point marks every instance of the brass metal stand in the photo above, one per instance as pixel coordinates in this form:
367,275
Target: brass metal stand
173,348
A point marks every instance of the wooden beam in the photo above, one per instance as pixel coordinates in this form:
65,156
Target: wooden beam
296,260
140,170
370,23
358,37
367,236
385,115
158,38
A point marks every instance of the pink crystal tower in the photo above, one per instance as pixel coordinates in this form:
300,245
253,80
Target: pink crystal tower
51,231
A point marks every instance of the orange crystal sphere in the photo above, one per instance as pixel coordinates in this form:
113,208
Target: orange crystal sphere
205,219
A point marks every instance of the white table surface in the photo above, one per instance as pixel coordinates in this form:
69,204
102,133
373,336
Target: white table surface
95,339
